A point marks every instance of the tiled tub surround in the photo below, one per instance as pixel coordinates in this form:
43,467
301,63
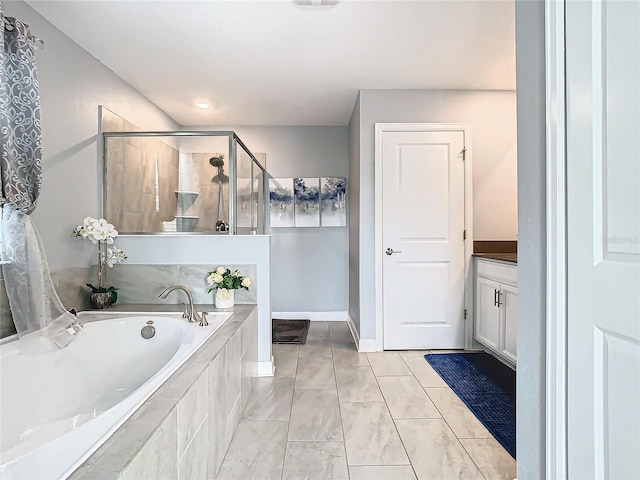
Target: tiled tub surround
136,284
91,386
184,429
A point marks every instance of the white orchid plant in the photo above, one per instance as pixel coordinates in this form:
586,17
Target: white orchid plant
102,233
223,280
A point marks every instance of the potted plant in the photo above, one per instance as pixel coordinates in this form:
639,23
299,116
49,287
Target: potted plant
225,283
102,234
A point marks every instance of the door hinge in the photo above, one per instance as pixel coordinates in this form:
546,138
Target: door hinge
464,153
465,313
464,234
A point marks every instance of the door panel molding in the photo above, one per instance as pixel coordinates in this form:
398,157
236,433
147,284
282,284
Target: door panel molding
603,207
381,128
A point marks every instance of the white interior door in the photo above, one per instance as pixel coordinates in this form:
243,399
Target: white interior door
603,239
422,233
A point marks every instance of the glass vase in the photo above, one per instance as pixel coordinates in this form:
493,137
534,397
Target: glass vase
102,264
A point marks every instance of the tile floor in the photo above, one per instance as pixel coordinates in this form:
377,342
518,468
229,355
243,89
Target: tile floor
333,413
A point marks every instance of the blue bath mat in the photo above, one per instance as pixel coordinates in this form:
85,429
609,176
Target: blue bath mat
486,386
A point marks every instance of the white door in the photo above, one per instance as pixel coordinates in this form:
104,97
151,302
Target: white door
423,248
603,239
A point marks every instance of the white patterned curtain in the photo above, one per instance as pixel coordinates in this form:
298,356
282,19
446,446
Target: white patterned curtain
33,301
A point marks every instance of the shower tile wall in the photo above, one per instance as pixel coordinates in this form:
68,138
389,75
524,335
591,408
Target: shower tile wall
134,202
206,205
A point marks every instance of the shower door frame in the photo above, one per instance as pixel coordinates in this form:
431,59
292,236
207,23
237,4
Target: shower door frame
234,142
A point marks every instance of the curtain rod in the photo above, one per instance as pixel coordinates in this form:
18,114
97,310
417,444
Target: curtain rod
37,43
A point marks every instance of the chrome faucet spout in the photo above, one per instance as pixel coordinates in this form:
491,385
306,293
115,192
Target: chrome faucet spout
190,312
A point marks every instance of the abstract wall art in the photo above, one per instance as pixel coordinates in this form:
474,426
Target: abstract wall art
281,202
334,201
307,202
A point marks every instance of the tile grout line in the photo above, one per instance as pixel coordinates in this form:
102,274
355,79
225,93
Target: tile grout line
449,426
293,396
344,436
404,447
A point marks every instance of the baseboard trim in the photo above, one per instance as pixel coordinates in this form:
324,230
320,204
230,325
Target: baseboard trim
266,369
367,346
362,344
313,316
354,331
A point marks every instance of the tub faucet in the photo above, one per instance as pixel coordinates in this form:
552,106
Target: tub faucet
190,312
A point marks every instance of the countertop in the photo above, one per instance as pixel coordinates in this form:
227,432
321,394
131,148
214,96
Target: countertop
505,257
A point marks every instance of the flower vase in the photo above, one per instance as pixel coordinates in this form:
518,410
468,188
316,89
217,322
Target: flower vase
224,298
100,300
102,264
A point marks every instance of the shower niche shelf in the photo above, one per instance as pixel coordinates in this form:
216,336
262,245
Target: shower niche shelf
186,222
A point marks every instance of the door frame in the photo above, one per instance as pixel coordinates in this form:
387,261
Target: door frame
465,128
556,244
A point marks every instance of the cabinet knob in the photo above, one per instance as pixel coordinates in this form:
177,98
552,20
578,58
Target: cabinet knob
391,251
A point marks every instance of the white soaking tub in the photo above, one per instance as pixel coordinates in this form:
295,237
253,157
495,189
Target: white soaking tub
57,406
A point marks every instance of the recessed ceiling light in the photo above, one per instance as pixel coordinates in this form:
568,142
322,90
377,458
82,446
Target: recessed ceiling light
203,105
316,3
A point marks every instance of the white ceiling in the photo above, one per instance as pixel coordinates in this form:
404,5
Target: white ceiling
277,63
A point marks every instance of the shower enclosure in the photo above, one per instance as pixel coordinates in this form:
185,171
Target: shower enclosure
182,182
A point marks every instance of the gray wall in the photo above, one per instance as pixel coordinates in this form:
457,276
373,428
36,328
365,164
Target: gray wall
309,266
354,215
72,85
492,115
530,411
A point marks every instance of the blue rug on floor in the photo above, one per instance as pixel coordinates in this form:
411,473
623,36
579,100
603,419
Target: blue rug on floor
486,386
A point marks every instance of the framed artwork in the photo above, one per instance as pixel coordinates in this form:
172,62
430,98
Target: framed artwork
281,210
308,202
306,192
333,201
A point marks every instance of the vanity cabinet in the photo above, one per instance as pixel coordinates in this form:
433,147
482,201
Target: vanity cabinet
496,305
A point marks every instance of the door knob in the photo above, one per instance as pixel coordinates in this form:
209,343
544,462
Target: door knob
391,251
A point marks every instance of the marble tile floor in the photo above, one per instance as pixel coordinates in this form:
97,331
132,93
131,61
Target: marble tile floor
333,413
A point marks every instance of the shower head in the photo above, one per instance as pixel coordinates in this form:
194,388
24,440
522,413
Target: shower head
217,161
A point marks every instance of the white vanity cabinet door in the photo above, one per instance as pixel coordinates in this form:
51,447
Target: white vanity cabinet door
496,308
509,307
487,329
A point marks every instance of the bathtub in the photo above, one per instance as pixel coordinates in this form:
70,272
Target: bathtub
57,406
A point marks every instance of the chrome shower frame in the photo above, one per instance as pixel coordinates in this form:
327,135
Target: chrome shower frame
234,143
